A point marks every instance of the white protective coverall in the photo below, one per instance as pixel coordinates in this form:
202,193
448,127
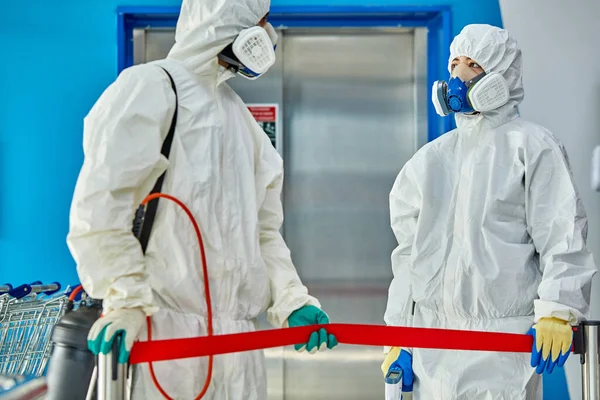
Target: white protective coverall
491,236
224,168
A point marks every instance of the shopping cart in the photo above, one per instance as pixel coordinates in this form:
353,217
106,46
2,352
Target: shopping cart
27,316
22,388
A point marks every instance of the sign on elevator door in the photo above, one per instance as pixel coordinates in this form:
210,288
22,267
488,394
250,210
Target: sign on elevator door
266,116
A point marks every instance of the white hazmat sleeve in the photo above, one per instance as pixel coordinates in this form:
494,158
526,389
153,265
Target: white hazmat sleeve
558,226
289,294
123,136
405,201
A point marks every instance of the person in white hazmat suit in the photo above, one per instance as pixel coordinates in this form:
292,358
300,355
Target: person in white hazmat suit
224,168
491,234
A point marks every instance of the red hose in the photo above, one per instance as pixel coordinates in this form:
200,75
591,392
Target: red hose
206,292
75,292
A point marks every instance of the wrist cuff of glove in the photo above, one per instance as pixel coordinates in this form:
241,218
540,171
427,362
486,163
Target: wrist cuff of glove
387,349
549,309
147,310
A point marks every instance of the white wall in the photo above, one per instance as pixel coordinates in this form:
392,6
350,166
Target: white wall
561,60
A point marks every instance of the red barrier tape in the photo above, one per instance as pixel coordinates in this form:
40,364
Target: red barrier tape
365,335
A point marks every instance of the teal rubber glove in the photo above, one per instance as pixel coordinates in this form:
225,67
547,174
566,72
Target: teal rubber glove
122,324
319,340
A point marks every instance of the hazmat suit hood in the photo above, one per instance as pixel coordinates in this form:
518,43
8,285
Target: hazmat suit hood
206,27
495,51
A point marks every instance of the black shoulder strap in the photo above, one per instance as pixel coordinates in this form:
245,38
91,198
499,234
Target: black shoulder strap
142,225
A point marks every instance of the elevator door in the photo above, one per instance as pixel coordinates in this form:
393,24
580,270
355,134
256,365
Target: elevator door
353,112
349,128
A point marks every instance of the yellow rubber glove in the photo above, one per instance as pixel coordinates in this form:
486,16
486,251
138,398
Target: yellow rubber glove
390,357
552,344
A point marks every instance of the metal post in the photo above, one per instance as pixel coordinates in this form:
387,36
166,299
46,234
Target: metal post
91,393
112,376
587,345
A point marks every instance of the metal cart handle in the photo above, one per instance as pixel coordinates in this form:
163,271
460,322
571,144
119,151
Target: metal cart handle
5,288
48,289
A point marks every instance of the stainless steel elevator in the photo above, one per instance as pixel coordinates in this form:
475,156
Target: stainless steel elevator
352,106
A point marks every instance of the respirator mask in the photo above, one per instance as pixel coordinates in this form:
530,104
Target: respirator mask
468,92
252,52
